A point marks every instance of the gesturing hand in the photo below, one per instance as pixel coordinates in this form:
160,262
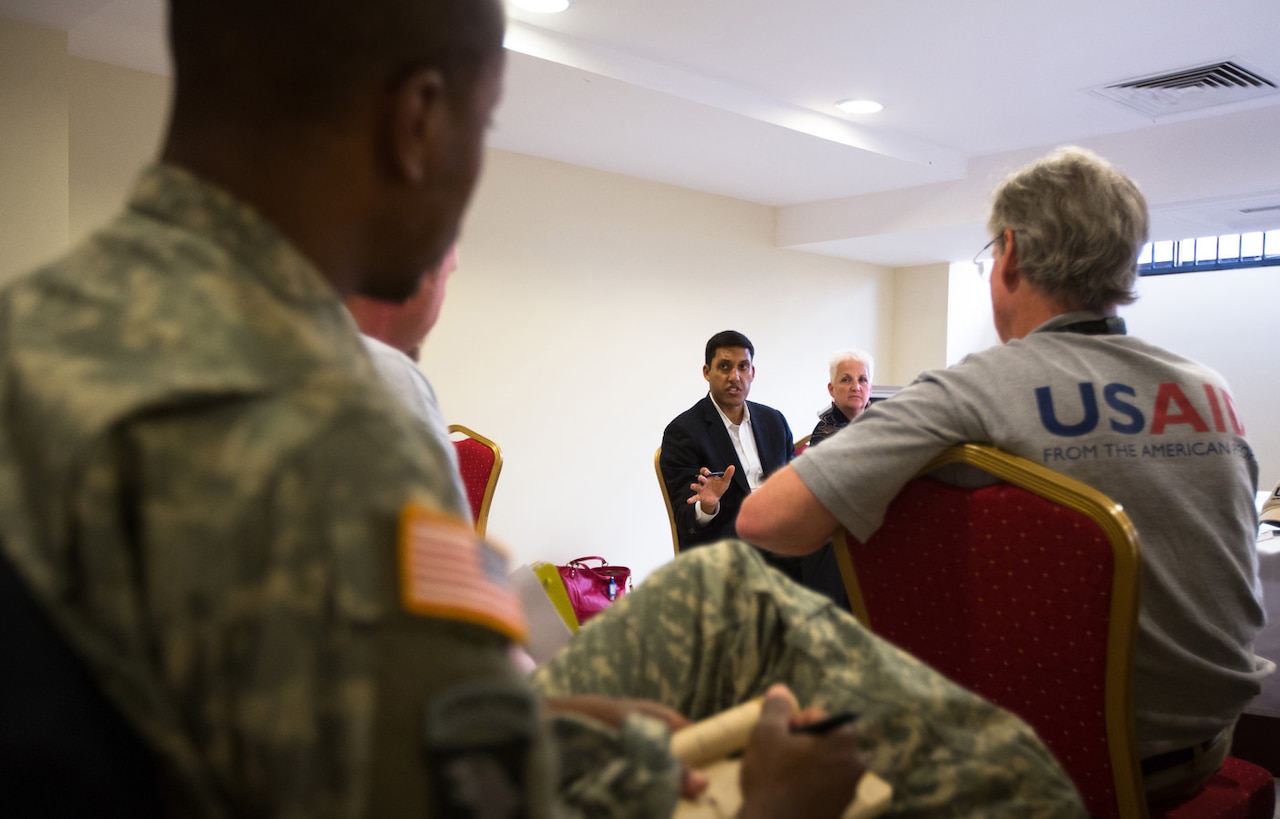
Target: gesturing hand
709,488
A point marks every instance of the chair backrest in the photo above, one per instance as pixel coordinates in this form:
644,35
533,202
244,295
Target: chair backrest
1024,592
666,500
480,462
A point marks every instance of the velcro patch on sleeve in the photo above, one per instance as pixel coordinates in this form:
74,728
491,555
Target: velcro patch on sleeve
479,737
446,571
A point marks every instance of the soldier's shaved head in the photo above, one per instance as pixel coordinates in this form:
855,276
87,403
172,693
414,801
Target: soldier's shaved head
356,129
284,60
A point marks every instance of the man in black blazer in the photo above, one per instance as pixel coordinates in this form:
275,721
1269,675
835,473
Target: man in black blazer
718,450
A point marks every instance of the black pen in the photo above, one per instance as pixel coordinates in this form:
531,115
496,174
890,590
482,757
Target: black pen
826,725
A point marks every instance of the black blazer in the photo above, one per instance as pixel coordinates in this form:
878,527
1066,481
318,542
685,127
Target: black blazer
697,438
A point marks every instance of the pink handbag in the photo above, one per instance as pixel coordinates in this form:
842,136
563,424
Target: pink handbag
592,589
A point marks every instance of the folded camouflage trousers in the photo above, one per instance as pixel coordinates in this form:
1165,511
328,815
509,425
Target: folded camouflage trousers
716,627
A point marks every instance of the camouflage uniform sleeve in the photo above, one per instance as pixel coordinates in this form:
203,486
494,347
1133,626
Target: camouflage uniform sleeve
623,772
272,587
715,627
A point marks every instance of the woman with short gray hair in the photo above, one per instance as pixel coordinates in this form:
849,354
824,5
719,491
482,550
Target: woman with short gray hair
850,390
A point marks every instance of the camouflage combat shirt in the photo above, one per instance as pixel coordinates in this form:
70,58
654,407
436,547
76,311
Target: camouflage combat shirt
201,480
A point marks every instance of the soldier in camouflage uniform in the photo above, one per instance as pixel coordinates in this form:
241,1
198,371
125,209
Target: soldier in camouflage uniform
201,478
197,462
202,482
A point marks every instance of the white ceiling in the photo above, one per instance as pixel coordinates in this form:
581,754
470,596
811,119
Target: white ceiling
735,97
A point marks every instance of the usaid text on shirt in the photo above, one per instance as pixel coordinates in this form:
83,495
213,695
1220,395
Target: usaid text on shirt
1125,411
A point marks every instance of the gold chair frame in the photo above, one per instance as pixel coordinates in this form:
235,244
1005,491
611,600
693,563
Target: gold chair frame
666,501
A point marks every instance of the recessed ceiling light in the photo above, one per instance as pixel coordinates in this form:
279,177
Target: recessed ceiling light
859,106
541,6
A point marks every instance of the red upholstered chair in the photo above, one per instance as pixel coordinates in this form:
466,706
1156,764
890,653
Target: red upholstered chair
480,462
1026,592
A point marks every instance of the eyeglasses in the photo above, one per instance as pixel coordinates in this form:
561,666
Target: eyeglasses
982,260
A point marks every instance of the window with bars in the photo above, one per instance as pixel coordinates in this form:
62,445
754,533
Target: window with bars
1257,249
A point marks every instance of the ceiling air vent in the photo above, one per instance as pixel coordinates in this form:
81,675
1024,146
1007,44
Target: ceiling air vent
1189,89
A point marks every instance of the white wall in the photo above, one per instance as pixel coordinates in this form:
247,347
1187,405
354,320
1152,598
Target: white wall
574,332
574,328
117,117
970,327
33,145
919,324
73,135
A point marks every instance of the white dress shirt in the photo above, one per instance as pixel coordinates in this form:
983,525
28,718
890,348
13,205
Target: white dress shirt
744,444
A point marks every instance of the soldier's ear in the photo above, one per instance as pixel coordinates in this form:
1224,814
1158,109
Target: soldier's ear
417,123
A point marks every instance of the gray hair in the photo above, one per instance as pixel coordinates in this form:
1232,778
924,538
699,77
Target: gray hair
861,356
1079,226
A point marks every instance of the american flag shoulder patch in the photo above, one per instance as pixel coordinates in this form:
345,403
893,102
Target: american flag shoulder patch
447,571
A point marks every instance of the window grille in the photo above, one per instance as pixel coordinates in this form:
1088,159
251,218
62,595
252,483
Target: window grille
1258,249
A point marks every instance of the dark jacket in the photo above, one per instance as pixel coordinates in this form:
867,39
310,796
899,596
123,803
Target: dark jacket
697,438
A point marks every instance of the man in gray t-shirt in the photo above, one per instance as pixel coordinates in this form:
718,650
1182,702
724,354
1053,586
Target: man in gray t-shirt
392,334
1156,432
